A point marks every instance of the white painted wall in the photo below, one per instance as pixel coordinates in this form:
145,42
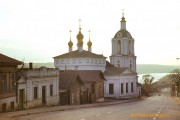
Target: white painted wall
117,80
80,64
38,78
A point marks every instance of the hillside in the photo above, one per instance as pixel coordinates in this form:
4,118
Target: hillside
153,68
141,68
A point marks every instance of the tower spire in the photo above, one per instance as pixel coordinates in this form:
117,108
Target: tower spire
122,12
80,38
79,24
89,43
123,21
70,34
70,43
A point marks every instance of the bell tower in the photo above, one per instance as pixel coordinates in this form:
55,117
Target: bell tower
123,48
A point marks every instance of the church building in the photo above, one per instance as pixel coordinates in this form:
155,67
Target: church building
121,73
80,59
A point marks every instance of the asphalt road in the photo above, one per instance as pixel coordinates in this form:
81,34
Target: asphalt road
152,108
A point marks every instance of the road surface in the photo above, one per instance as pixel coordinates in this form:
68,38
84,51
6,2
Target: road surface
152,108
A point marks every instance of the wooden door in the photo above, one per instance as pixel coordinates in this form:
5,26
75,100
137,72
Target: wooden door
21,98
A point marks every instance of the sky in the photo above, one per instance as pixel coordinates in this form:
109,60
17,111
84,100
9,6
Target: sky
38,30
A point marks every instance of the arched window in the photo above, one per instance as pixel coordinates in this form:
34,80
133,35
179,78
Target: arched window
129,47
130,65
119,46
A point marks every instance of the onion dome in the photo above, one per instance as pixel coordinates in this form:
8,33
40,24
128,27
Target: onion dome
80,35
123,19
89,43
70,43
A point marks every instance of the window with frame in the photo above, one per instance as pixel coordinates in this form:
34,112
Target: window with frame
126,87
4,83
111,88
51,90
132,87
12,82
35,92
122,88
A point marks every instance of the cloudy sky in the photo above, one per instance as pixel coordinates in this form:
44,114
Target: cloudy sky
37,30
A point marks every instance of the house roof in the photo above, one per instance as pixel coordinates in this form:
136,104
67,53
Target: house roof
112,70
5,60
77,54
85,75
69,81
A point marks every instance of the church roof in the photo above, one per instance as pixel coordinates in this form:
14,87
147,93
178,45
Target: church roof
84,75
77,54
112,70
122,33
5,60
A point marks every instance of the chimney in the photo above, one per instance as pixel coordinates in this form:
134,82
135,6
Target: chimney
30,65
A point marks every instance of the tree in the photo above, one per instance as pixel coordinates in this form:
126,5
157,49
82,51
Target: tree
147,85
175,78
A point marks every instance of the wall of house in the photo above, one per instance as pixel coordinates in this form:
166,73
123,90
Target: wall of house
9,95
8,102
116,81
43,77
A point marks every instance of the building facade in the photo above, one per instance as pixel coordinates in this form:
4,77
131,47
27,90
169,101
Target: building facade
81,86
120,73
121,82
123,48
38,87
8,69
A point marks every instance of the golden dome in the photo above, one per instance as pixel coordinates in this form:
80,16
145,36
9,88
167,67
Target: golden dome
70,43
80,35
89,43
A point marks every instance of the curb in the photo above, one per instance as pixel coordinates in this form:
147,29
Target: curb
75,107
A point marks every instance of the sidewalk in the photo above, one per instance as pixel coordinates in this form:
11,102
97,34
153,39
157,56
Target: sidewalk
11,115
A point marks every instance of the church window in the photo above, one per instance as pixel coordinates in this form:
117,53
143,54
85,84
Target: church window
122,88
130,65
87,60
126,87
132,87
111,88
99,62
119,46
129,47
120,35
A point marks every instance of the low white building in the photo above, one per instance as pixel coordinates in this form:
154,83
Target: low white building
38,87
121,83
